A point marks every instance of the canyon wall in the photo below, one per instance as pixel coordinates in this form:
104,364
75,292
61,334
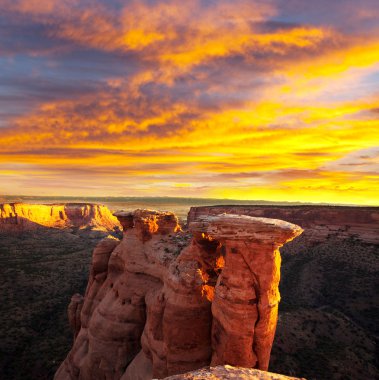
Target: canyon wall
16,217
161,301
319,222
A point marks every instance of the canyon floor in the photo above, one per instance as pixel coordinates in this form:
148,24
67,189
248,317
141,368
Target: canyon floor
39,272
329,312
328,315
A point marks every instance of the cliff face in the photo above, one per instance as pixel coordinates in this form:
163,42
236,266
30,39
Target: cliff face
163,302
16,217
319,222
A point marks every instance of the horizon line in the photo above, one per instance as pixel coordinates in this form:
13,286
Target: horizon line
300,203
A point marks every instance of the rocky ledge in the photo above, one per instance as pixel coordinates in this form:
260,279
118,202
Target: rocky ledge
228,372
162,302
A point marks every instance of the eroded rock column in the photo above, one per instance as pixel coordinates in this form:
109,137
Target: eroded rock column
245,304
159,303
113,313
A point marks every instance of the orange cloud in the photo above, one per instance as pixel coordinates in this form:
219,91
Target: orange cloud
218,101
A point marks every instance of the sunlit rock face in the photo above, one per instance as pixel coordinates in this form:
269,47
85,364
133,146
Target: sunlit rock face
163,301
245,306
228,372
319,222
17,217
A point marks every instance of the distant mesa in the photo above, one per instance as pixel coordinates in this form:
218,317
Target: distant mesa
163,301
319,222
21,217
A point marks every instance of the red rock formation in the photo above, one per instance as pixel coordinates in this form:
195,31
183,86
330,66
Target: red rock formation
24,217
245,306
73,313
153,309
228,372
318,222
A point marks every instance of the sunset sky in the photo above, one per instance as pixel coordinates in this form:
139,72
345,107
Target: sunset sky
244,99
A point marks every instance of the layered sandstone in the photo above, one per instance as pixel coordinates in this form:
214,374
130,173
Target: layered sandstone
163,301
24,217
228,372
319,222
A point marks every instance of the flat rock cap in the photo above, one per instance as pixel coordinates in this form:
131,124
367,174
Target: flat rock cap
243,227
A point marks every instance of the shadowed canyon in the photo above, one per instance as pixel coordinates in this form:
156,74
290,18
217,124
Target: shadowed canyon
162,299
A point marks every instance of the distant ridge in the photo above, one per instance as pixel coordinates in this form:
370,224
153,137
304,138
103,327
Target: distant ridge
163,199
